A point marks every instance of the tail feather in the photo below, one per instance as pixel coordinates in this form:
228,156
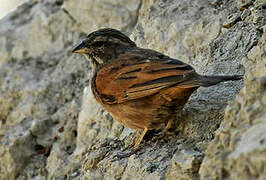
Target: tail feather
207,81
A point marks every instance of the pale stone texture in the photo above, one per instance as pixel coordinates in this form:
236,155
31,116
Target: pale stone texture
184,165
9,5
238,150
94,14
51,127
36,98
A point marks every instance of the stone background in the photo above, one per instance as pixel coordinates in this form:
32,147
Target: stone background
52,128
9,5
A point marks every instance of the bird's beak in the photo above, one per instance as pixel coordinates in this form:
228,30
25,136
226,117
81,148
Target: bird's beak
81,49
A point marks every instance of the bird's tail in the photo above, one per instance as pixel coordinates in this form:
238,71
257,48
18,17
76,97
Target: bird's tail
207,81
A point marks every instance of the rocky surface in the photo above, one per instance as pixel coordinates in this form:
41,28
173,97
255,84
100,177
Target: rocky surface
9,5
52,128
238,150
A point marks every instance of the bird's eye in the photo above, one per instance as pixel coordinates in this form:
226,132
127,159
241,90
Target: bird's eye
98,44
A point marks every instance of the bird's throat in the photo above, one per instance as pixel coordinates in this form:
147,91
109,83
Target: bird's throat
93,61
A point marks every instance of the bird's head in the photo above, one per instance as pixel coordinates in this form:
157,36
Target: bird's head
102,45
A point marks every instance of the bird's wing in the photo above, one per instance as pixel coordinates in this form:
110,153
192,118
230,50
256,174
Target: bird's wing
132,78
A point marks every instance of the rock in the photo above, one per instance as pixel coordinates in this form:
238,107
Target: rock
94,14
184,165
40,88
238,150
8,6
259,4
245,14
244,4
15,150
51,127
231,20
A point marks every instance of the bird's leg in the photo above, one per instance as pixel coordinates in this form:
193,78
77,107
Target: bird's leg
140,138
167,127
171,120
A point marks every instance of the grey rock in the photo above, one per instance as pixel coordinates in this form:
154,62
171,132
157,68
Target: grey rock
15,150
185,164
231,20
94,14
243,4
238,150
51,127
33,101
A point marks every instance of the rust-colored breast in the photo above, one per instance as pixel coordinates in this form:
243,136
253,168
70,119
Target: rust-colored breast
143,92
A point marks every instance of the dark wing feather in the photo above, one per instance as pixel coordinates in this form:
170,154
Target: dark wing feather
131,78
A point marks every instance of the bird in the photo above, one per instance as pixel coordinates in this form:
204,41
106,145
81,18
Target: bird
141,88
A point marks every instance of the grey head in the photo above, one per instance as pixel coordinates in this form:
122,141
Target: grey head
102,45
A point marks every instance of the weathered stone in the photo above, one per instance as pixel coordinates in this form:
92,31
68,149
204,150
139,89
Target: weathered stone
94,14
244,4
260,4
36,98
15,150
184,165
51,127
238,150
231,20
